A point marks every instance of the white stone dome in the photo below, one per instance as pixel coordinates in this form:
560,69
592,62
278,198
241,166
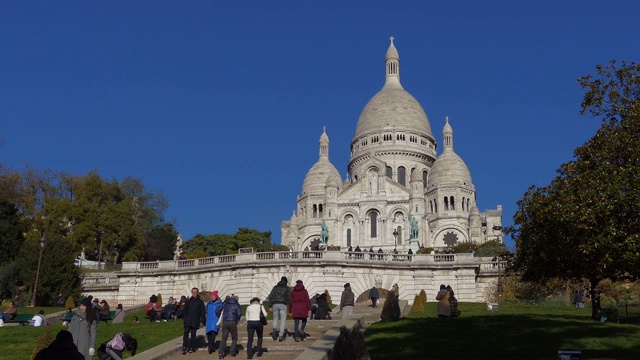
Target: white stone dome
318,176
449,168
393,107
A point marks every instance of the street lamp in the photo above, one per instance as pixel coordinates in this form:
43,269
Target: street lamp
499,229
395,236
43,243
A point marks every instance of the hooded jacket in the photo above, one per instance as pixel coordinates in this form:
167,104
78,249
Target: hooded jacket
230,310
299,302
280,294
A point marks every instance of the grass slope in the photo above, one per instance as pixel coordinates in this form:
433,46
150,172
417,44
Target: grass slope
516,331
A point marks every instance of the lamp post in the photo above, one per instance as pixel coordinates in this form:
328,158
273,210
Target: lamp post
499,229
43,243
395,236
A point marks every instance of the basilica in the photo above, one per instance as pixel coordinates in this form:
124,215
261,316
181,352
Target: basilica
398,194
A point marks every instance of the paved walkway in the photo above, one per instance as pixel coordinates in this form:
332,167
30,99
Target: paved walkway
274,350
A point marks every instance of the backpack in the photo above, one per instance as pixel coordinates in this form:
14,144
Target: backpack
117,343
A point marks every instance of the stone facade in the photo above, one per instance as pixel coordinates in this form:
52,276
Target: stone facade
255,274
393,177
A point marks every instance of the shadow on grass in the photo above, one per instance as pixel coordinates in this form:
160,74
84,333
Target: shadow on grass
501,336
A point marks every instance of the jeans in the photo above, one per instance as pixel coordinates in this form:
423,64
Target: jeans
228,326
258,328
279,310
296,322
185,337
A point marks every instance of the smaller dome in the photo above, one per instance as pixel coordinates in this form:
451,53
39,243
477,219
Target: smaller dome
294,218
333,182
317,177
415,176
449,168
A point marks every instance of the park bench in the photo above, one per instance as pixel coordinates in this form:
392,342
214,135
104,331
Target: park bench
68,316
22,319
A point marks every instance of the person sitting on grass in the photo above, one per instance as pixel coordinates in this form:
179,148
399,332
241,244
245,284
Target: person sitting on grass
153,308
444,307
114,348
135,320
61,348
169,310
39,319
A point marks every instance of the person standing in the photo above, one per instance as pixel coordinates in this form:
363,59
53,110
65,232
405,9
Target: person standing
212,320
347,301
322,312
278,301
444,307
374,295
83,328
230,312
254,326
299,309
193,317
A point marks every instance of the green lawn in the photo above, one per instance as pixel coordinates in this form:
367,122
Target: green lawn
18,342
516,331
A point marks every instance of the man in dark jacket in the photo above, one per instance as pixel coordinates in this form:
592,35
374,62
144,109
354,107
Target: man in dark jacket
230,313
193,317
374,295
278,301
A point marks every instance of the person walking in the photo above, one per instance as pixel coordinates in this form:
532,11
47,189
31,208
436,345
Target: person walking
254,326
83,328
299,309
347,301
278,301
374,295
193,317
230,312
212,320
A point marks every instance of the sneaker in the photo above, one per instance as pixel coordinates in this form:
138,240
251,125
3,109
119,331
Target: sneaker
157,320
259,354
274,335
297,339
165,320
281,338
184,351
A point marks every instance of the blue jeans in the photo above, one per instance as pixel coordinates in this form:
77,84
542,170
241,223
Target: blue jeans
296,323
279,311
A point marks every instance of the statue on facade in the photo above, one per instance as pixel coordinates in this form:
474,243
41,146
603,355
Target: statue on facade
324,234
414,228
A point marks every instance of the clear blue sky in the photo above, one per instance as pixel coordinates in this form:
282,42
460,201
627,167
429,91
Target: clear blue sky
220,104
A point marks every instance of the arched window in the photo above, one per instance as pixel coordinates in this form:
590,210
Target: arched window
399,238
320,210
402,176
315,210
424,179
463,203
389,172
431,205
468,205
446,203
348,237
373,218
452,203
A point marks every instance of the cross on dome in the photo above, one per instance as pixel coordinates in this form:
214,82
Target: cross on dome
391,38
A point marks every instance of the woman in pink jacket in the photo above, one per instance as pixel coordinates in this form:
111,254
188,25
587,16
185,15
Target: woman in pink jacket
299,309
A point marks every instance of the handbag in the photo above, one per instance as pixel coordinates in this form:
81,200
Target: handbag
263,319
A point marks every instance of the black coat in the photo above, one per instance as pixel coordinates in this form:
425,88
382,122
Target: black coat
193,312
323,308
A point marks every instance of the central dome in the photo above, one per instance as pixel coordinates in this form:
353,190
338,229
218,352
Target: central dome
393,107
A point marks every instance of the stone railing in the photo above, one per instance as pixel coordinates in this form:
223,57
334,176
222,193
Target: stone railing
338,257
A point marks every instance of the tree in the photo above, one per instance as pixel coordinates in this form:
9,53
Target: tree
161,242
586,222
11,232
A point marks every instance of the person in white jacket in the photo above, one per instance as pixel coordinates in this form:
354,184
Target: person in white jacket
254,325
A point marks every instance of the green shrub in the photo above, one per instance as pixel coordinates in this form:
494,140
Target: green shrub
70,304
328,296
422,296
425,250
350,345
465,247
418,306
391,308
